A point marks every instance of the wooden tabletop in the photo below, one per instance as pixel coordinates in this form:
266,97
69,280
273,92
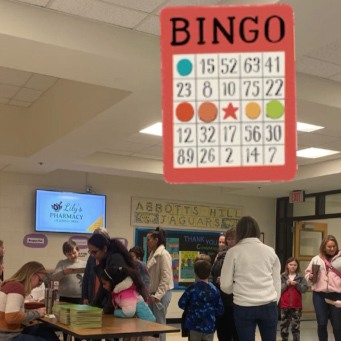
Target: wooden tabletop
113,327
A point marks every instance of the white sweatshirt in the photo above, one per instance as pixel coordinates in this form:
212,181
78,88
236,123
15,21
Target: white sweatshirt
251,271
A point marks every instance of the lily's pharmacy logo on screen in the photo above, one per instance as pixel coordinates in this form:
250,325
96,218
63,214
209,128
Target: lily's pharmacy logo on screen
228,93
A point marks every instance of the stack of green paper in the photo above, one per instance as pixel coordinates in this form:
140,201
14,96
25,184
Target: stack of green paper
64,315
62,312
78,315
56,310
84,316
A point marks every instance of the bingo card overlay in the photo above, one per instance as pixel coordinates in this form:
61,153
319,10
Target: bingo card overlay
229,107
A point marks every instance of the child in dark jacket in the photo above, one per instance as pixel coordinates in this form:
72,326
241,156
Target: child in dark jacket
203,303
293,285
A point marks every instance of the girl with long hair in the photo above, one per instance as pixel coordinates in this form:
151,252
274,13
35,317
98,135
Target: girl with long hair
13,316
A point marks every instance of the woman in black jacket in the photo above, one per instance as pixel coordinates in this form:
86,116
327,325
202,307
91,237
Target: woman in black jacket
108,253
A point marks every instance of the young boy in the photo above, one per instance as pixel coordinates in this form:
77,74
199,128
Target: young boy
203,304
69,274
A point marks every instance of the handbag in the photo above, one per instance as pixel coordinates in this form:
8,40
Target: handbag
331,268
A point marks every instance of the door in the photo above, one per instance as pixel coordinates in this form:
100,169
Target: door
307,241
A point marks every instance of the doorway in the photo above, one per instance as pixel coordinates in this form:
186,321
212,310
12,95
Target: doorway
307,241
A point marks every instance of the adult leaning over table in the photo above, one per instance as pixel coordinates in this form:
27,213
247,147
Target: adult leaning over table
13,317
108,253
90,282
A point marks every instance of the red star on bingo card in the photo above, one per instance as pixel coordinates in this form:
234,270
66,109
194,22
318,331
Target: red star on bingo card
230,110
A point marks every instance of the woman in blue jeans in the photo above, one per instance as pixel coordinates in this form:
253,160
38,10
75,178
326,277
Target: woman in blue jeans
326,285
251,272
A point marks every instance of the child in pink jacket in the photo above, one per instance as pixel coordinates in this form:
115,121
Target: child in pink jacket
126,289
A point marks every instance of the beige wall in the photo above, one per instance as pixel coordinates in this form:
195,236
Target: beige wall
17,205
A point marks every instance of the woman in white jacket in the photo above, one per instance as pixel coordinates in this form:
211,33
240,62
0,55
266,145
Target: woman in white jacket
251,272
159,265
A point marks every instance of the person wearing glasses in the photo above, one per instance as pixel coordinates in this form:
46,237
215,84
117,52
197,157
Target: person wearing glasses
108,253
91,282
13,316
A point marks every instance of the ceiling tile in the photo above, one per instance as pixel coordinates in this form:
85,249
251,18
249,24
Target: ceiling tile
192,2
27,95
99,11
150,25
148,156
329,53
8,91
13,77
316,140
35,2
145,138
125,146
182,3
144,6
316,67
154,153
40,82
19,103
332,129
336,78
4,100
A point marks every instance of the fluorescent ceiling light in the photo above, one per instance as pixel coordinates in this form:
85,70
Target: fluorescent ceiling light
314,153
307,128
154,129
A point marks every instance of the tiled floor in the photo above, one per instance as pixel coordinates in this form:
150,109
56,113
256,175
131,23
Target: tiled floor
308,333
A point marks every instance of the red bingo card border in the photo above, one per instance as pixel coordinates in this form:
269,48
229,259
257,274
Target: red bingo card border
228,29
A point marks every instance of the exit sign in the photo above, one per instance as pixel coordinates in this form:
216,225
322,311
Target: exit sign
296,196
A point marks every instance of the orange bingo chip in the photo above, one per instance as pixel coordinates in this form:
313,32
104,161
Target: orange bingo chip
207,112
252,110
184,112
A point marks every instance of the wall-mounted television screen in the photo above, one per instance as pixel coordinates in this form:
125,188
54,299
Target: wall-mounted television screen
69,212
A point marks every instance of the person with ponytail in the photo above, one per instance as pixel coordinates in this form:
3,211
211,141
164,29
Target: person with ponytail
159,265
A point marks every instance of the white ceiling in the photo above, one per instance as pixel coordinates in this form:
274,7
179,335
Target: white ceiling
80,78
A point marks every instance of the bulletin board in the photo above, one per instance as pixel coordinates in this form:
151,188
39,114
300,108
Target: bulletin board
184,246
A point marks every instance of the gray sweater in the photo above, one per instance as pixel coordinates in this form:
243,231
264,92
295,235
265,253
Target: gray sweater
69,285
